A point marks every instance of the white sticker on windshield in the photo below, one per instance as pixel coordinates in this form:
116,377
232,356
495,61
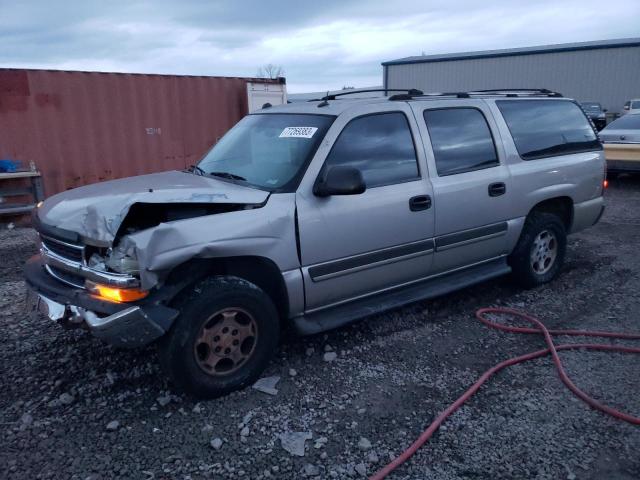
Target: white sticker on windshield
298,132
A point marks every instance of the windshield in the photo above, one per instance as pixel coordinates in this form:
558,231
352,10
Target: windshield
268,151
635,105
628,122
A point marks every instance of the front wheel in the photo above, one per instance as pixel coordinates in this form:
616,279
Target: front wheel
539,254
223,339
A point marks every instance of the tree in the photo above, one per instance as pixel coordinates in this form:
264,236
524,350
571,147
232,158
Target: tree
270,71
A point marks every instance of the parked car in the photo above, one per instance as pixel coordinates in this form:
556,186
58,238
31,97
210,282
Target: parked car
631,106
596,113
621,141
314,215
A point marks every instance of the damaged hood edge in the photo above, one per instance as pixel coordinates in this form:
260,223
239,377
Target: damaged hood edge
95,212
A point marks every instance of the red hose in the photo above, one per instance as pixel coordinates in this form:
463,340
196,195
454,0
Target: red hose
551,349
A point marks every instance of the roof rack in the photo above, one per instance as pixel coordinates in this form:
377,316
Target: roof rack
503,92
409,91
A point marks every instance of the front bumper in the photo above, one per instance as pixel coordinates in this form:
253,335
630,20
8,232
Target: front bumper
119,324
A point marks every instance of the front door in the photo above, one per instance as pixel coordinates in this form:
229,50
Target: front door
354,245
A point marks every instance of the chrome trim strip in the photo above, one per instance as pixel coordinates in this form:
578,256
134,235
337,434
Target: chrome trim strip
55,240
363,261
51,272
472,240
422,279
121,280
360,268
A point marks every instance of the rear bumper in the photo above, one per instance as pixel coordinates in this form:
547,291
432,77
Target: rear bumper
622,157
119,324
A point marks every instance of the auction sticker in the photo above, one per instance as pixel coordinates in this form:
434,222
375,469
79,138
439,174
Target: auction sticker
298,132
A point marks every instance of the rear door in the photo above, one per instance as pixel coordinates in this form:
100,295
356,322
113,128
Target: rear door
355,245
471,183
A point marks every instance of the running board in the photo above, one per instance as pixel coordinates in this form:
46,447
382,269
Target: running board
334,317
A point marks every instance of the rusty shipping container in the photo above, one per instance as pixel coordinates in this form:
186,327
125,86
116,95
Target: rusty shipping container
86,127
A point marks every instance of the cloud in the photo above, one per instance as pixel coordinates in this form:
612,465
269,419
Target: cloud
322,45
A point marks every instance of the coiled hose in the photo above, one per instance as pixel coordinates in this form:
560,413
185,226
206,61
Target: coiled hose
551,349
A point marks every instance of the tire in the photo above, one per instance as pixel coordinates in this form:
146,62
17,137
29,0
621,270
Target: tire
241,323
531,264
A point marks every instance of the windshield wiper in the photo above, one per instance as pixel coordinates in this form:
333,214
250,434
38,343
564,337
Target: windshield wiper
196,170
231,176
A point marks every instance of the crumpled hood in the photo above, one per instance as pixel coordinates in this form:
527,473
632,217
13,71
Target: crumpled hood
96,211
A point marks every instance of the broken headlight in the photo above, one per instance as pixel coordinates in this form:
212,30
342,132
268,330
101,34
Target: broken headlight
121,259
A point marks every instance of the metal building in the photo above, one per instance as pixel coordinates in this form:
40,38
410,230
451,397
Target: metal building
605,71
78,128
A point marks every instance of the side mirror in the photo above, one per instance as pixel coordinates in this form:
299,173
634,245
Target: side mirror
605,110
340,180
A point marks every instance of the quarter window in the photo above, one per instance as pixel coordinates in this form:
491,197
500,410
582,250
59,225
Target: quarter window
461,140
380,146
541,128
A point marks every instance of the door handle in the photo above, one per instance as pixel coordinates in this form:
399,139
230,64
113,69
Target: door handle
497,189
420,202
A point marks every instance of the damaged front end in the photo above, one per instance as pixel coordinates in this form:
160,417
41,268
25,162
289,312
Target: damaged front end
92,270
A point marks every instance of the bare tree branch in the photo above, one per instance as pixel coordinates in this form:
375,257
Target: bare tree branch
270,71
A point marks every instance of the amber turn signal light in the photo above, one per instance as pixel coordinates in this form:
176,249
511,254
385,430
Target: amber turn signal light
121,295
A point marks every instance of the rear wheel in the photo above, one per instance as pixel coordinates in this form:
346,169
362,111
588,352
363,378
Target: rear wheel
539,254
223,339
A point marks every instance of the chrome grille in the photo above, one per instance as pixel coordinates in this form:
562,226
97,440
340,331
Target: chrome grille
70,251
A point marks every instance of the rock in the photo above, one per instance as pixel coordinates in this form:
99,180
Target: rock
164,401
362,411
207,428
244,432
26,419
324,455
309,351
311,470
66,399
361,468
216,443
113,425
293,442
364,444
197,408
373,457
330,356
328,348
292,372
267,385
320,442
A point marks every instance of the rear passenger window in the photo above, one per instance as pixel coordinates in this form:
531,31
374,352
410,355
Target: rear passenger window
461,140
541,128
380,146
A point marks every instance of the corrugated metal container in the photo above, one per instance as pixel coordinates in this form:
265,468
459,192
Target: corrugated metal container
601,71
85,127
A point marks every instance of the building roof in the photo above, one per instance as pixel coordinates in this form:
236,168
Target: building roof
510,52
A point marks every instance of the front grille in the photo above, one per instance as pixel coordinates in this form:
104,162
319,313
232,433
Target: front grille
70,251
66,277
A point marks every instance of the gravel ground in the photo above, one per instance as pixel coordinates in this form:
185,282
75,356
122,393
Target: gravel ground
74,408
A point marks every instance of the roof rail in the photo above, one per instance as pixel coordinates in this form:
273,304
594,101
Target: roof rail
504,92
409,91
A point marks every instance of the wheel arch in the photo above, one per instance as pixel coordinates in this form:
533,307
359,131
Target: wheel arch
261,271
561,206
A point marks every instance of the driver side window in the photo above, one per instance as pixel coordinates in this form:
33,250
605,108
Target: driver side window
380,146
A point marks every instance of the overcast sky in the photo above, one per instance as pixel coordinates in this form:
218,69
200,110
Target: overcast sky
322,44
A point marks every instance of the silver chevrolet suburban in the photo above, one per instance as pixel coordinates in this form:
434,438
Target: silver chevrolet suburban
313,215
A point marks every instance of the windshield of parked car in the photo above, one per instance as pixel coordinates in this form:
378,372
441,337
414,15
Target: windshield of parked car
267,151
628,122
591,107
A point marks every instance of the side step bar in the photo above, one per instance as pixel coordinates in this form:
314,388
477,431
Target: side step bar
435,286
